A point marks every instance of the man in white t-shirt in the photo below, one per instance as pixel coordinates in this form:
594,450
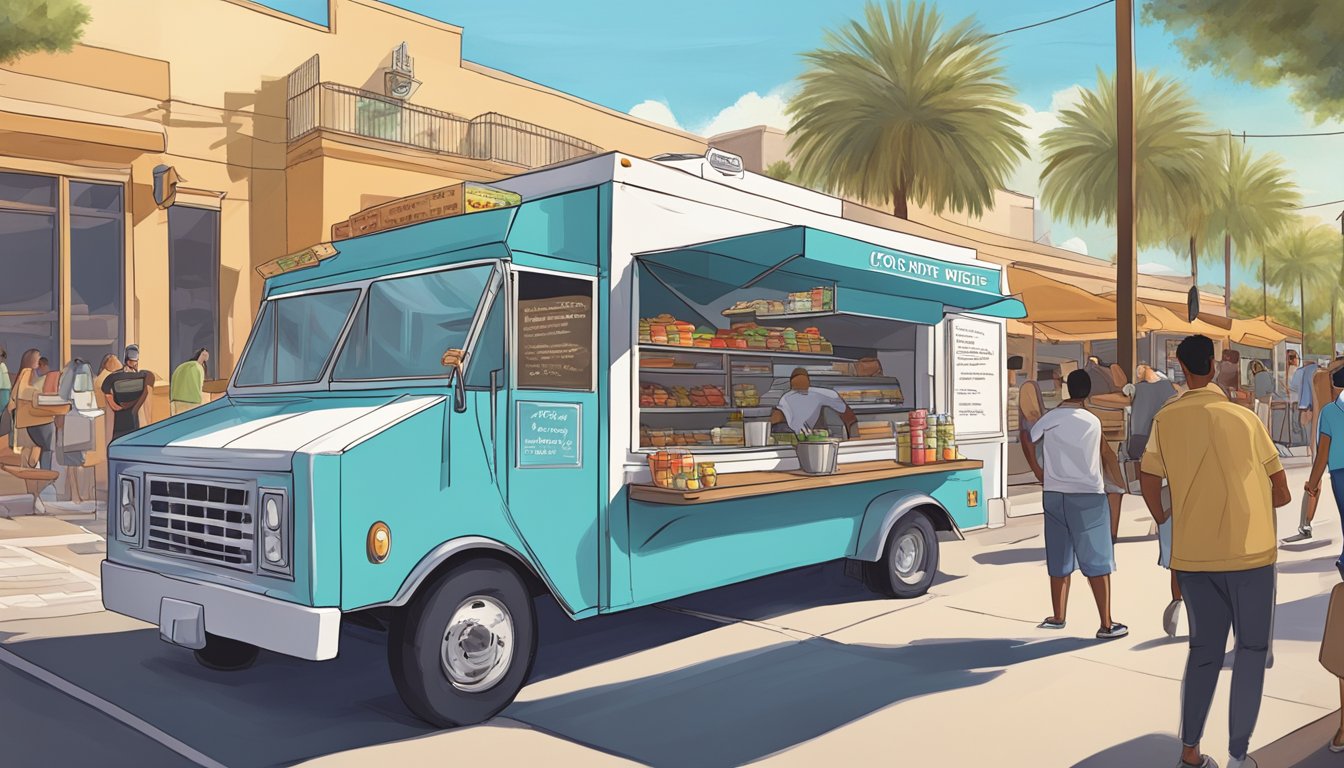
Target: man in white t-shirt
803,405
1077,517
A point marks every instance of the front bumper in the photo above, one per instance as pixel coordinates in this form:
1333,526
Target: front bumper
170,603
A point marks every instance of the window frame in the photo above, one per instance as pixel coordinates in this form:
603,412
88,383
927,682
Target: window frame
217,267
515,274
495,282
316,385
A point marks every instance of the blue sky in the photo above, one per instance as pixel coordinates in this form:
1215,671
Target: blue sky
719,65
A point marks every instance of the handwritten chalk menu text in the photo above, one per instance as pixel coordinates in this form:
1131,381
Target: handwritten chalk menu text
555,343
549,435
977,377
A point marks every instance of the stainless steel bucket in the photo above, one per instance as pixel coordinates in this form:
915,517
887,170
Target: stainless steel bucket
818,458
757,432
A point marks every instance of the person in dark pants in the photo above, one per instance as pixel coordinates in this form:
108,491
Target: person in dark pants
1225,480
126,391
1330,452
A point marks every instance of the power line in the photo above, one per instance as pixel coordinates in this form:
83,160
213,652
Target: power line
1319,205
1052,21
1244,135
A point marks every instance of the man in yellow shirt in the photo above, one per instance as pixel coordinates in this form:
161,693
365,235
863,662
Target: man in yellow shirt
1225,479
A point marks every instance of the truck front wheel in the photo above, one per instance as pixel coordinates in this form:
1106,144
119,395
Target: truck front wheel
464,646
909,560
226,654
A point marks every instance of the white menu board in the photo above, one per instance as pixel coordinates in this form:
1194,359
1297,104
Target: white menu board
976,365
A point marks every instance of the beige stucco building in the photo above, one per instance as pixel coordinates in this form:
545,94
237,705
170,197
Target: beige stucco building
276,127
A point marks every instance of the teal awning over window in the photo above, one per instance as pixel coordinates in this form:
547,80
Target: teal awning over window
882,282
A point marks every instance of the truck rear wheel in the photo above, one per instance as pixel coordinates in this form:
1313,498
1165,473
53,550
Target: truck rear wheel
464,646
226,654
909,560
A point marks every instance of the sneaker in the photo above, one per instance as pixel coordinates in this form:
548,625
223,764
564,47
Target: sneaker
1115,630
1205,762
1305,531
1050,623
1245,762
1170,617
1334,745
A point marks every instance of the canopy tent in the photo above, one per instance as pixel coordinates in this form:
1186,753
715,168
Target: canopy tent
1053,301
1256,333
1290,334
867,277
1169,322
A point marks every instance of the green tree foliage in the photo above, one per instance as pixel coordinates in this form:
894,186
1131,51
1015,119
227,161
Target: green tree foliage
30,26
895,108
1080,176
1248,302
1252,201
1305,258
780,170
1293,42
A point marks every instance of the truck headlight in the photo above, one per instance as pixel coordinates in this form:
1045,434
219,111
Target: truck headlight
127,507
276,534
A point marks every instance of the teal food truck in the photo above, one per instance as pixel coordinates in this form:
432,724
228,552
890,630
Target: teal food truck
570,397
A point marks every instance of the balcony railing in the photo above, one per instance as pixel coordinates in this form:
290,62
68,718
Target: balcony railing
492,136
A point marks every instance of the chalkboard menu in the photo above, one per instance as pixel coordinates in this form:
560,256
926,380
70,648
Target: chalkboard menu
549,435
555,343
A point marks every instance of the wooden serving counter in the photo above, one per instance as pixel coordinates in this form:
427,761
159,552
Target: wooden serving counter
739,485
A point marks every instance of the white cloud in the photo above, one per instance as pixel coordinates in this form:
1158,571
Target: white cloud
1027,178
655,112
749,110
1156,268
1075,244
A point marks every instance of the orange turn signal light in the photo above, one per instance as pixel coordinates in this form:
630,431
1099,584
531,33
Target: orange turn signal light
625,162
380,542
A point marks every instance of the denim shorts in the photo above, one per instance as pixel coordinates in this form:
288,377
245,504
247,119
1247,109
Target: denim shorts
1078,534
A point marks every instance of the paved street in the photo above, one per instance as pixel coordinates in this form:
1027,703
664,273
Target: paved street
804,668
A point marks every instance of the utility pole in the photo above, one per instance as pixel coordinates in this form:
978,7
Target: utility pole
1126,259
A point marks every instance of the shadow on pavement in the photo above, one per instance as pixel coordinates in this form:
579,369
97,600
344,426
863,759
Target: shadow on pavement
736,709
1303,748
1307,547
1155,749
1314,565
1302,620
284,710
1011,556
797,590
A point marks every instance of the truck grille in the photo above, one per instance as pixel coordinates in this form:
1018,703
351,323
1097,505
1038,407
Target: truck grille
199,520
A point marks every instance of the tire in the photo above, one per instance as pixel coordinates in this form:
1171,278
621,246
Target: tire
459,604
909,559
226,654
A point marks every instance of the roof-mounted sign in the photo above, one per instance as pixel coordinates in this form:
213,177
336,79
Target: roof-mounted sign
435,204
724,162
308,257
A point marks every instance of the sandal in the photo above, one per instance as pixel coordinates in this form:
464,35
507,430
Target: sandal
1050,623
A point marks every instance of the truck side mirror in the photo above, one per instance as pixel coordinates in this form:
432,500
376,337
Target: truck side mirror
453,359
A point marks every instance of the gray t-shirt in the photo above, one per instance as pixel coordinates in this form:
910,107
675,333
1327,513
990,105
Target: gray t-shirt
802,409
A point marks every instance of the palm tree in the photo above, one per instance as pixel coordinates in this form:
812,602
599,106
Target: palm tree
897,109
1252,202
1304,256
1191,209
1080,176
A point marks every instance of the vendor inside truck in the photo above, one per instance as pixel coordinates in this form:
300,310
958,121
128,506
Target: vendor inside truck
804,406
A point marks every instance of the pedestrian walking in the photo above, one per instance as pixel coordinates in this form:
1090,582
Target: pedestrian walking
1300,385
1225,480
126,391
186,385
6,387
1077,516
1329,454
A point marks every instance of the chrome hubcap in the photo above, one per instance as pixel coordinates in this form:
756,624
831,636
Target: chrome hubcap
907,560
478,645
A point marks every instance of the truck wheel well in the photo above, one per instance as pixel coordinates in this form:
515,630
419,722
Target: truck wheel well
534,582
941,520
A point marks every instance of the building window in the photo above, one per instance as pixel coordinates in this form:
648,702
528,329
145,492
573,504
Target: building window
29,259
193,279
97,237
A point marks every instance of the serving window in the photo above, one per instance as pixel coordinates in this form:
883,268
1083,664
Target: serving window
715,359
